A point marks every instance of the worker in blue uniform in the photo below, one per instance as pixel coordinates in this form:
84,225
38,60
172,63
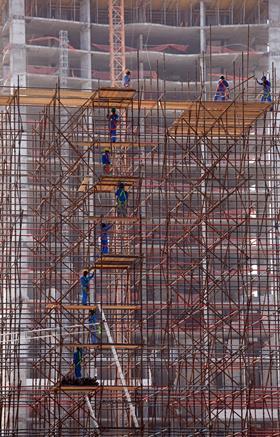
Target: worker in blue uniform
122,199
85,280
105,227
113,119
77,360
94,328
106,162
222,90
265,83
126,79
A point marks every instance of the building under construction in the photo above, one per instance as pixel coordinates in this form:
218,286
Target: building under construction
184,339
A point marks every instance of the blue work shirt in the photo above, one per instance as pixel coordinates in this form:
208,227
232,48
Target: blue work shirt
266,85
126,80
86,279
222,86
106,159
118,193
104,233
113,121
77,357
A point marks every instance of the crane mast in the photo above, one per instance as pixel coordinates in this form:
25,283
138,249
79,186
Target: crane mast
117,41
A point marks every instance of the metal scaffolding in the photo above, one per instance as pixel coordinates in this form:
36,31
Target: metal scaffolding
184,340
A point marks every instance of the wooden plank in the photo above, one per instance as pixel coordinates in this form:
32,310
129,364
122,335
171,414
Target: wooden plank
103,346
114,219
115,262
222,106
107,184
84,185
50,92
116,93
105,306
76,98
103,144
105,266
118,259
116,179
213,133
5,100
81,388
113,146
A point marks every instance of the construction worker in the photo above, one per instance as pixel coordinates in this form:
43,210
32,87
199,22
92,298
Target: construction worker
113,119
266,96
126,79
94,331
106,162
222,90
122,198
84,280
105,227
77,360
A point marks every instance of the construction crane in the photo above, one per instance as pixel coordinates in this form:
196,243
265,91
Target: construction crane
117,41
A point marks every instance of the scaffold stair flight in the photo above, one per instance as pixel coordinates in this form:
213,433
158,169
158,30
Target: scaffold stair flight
217,119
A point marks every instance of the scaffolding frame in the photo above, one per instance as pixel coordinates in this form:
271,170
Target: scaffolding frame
187,297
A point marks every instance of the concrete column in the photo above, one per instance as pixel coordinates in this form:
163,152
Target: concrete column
85,41
17,42
202,40
274,35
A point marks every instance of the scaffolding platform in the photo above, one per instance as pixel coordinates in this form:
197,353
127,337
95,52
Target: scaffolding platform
108,184
119,97
118,262
78,307
217,119
103,144
85,388
104,346
115,219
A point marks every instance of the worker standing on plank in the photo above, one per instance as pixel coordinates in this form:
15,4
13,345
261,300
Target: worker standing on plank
126,79
106,162
122,199
77,360
266,96
105,227
113,119
92,320
84,280
222,90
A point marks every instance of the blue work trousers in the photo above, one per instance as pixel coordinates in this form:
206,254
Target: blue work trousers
85,295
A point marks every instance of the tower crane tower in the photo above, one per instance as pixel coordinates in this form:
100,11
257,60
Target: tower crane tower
117,41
